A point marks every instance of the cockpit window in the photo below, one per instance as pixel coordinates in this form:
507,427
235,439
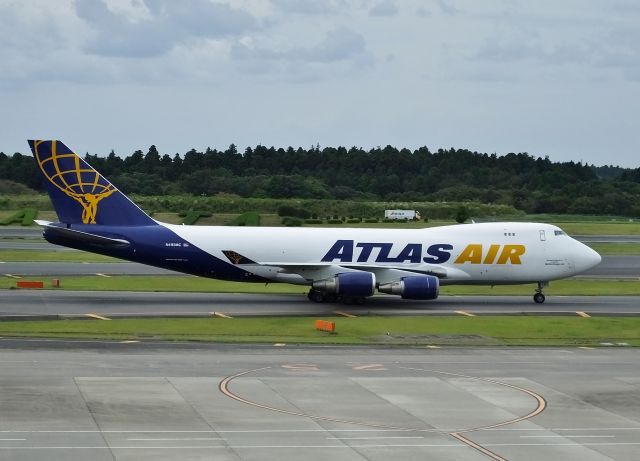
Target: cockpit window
559,232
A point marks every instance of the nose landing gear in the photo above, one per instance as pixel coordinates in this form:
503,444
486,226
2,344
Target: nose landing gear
539,297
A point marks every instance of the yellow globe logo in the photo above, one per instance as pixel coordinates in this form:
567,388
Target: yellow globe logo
74,177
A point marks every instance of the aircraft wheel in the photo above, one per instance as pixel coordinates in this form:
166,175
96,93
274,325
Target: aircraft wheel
331,298
539,298
315,296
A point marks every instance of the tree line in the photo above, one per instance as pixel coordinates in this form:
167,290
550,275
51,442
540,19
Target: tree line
528,183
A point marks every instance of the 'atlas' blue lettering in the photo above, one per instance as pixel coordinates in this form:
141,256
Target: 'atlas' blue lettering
366,251
439,253
412,253
383,256
342,250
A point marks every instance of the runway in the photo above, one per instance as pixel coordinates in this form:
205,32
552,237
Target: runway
12,232
53,304
607,238
148,401
32,245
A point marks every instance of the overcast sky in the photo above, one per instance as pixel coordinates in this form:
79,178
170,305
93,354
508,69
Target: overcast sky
549,77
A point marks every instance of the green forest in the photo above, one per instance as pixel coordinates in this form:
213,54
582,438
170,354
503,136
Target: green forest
522,181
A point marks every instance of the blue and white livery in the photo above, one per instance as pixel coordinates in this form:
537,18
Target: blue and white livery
338,264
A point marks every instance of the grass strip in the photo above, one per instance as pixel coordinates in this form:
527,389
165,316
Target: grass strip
170,283
462,331
250,218
61,255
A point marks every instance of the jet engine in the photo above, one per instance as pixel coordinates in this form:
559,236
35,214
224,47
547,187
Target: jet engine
413,287
353,284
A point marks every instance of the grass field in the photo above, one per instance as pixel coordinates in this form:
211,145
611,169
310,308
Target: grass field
180,283
458,331
177,283
47,215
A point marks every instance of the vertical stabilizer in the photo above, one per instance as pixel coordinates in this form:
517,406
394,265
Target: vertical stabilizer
80,194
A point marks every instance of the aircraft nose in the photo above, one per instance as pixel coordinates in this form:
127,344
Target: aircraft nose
586,259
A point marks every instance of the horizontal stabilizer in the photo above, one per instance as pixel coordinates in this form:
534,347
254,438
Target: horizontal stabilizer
82,237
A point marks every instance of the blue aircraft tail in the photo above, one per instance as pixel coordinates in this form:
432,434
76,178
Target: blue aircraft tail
80,194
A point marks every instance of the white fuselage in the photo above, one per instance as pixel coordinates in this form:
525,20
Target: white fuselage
488,253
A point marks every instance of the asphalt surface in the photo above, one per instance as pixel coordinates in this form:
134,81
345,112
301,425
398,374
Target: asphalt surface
32,245
616,266
20,232
607,238
18,303
106,401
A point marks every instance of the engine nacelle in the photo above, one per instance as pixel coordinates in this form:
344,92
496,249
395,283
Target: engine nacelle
348,284
413,287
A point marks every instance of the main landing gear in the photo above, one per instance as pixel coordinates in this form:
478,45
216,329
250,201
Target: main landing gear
539,297
318,296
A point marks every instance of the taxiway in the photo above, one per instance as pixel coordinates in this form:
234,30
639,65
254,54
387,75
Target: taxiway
52,303
156,401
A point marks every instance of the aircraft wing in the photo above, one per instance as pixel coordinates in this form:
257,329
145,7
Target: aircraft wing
319,270
384,274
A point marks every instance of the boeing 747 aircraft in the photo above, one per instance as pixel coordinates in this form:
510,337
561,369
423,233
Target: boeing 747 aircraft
338,264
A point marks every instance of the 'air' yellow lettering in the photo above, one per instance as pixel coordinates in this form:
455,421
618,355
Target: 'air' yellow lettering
471,254
491,254
511,253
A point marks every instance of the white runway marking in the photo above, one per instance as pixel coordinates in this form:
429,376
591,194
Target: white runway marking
568,435
174,439
376,438
280,431
560,429
321,447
